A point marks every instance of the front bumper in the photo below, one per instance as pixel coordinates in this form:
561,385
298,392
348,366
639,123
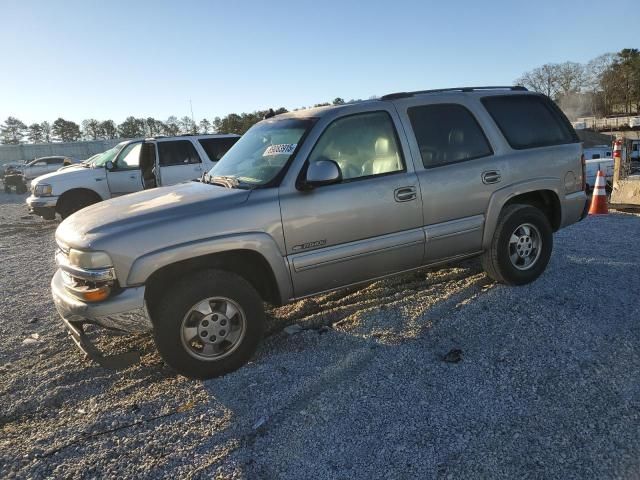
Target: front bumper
125,311
43,206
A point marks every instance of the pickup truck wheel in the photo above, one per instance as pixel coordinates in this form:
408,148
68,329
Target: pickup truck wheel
75,201
208,324
521,246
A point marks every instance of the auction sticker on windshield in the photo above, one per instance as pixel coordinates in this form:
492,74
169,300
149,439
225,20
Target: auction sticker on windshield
280,149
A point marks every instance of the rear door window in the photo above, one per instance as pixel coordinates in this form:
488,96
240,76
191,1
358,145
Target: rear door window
180,152
54,160
529,121
447,133
215,148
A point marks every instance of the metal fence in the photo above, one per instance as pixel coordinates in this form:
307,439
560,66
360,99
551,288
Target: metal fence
611,123
79,150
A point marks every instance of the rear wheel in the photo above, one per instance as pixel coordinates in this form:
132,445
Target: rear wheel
73,201
208,324
521,246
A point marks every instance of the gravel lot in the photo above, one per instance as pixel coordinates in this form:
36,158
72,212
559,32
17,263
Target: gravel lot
548,383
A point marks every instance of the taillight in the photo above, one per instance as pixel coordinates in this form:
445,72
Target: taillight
584,173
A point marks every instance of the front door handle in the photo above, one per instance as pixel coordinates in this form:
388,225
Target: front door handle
405,194
492,176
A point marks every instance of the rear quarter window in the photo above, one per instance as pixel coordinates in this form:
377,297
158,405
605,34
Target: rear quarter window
529,121
217,147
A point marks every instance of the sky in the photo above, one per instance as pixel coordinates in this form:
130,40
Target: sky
108,60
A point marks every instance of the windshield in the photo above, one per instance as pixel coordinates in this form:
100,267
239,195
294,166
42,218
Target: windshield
261,153
102,158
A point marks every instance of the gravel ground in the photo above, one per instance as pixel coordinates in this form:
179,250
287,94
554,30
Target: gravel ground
547,385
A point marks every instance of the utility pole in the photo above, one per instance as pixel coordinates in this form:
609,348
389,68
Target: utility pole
193,120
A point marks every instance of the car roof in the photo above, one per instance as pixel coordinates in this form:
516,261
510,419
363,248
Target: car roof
196,136
318,112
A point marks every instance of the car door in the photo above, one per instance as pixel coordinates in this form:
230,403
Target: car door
125,176
36,169
54,163
179,161
366,226
458,172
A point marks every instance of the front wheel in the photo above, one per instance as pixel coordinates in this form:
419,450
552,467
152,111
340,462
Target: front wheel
521,246
71,202
208,324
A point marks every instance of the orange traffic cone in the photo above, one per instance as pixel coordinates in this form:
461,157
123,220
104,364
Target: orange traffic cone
599,197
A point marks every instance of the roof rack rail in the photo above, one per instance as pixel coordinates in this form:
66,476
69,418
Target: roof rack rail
393,96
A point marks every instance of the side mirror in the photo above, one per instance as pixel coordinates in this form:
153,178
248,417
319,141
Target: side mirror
323,172
109,165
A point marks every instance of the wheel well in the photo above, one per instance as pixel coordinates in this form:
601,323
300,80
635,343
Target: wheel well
545,200
249,264
75,191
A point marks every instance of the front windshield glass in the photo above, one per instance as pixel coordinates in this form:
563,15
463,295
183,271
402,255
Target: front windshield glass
262,152
101,159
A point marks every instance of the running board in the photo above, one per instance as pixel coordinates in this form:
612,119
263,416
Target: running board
111,362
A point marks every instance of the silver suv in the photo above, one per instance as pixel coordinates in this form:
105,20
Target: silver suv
317,200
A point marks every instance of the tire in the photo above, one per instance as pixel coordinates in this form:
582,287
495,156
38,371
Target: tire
7,188
179,326
72,202
21,188
506,260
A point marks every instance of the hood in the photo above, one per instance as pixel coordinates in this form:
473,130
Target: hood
143,210
71,172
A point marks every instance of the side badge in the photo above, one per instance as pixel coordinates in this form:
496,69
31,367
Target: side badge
308,245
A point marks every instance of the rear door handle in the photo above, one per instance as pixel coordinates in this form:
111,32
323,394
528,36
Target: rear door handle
492,176
405,194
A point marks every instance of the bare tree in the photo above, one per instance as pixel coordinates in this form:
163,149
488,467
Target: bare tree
542,79
570,78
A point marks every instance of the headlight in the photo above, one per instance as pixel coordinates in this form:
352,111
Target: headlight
89,260
42,190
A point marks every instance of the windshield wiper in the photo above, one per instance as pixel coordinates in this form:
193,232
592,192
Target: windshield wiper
228,181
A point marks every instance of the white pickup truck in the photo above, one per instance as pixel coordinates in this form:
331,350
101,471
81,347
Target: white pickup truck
123,169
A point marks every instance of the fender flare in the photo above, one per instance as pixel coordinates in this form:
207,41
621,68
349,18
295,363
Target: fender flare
500,197
262,243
